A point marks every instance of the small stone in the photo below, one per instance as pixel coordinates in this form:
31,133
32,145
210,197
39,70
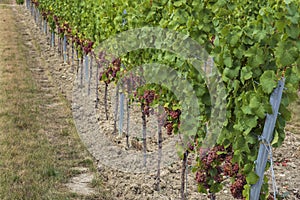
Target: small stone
282,175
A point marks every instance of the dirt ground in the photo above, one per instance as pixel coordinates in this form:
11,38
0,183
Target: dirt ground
141,186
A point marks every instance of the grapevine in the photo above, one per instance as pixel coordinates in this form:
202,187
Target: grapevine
253,45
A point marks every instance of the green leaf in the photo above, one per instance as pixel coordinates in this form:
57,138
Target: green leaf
215,188
251,139
248,168
286,53
250,121
260,111
246,191
254,102
293,31
202,189
246,109
179,3
246,74
238,157
252,178
268,81
234,39
228,61
275,138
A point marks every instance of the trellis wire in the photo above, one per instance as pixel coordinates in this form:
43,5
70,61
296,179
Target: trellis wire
268,147
266,138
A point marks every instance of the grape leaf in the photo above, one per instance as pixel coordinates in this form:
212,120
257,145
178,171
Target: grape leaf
252,178
268,81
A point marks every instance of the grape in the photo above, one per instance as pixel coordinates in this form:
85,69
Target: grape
169,127
237,187
191,147
146,110
235,168
149,96
218,178
117,62
200,177
224,166
270,197
175,113
227,169
110,72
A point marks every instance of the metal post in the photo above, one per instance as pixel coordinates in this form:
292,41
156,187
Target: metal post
266,137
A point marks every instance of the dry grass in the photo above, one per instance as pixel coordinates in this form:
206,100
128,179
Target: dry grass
39,145
5,1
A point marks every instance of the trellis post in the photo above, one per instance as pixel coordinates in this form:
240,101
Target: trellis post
266,139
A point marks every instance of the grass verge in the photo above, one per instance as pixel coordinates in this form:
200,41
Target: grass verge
39,146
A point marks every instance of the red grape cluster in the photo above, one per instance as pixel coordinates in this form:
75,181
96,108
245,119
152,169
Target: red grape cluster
35,2
237,186
87,46
56,20
207,164
169,127
173,118
230,169
201,178
221,163
45,14
111,72
191,146
147,98
270,197
76,40
175,113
